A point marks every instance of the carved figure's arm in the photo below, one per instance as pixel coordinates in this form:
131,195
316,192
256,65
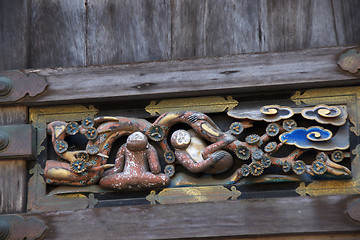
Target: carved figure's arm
153,160
329,166
218,146
57,130
120,159
195,167
119,162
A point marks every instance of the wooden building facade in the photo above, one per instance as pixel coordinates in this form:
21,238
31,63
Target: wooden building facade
242,63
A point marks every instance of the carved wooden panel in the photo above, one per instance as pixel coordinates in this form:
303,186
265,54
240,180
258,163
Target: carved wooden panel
209,149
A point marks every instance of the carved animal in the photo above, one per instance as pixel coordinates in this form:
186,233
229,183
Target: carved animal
189,152
136,166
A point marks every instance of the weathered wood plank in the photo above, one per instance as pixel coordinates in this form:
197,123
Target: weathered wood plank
128,31
347,18
12,186
188,29
13,172
321,30
214,28
290,25
58,33
258,217
237,74
231,27
13,115
70,33
276,24
333,236
14,37
217,28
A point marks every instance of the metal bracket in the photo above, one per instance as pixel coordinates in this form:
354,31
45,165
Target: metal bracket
350,60
353,210
14,85
17,141
15,227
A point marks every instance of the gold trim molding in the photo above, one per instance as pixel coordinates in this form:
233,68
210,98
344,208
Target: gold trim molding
193,195
39,116
200,104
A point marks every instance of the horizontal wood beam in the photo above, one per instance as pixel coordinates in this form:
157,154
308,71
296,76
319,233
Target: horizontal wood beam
247,73
257,217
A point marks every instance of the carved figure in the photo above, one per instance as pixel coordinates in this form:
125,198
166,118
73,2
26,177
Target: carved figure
85,167
133,161
201,124
192,153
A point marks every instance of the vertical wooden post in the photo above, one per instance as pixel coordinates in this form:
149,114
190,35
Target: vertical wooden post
12,172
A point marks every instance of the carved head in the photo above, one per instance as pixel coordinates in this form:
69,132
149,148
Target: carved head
137,141
180,139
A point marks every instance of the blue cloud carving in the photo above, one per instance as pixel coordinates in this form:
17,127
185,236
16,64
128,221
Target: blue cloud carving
317,138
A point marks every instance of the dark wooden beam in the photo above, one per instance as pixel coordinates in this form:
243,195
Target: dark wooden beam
245,73
257,217
12,172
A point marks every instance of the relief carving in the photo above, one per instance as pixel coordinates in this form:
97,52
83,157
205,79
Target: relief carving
258,142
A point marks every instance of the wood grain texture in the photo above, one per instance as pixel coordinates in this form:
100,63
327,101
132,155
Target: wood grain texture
231,27
14,34
12,186
290,25
58,33
321,30
347,18
128,31
333,236
54,33
188,28
257,217
214,28
13,115
12,172
217,28
252,73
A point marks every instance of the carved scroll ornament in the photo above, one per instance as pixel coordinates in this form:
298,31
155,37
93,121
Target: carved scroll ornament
201,147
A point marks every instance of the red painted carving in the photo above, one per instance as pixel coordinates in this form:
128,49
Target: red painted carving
136,154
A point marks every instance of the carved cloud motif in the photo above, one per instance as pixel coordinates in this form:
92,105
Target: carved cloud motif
269,113
317,138
326,114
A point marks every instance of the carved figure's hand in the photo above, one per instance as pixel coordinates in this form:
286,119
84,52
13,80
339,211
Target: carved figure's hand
336,169
324,164
103,167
